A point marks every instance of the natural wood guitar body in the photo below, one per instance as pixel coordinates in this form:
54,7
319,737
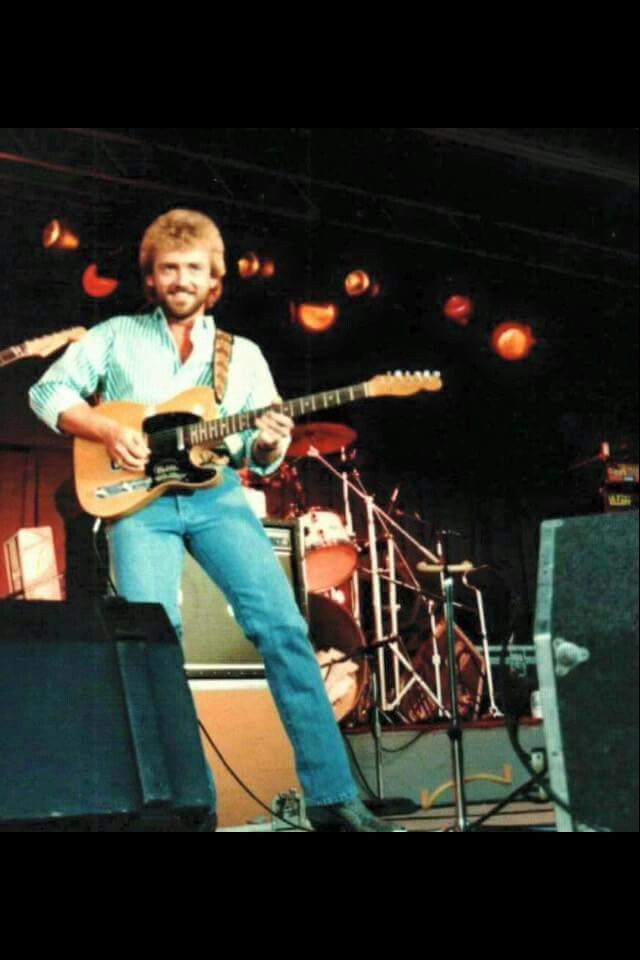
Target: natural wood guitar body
95,473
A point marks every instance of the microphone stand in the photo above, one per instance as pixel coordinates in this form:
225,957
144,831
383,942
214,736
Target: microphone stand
455,725
380,805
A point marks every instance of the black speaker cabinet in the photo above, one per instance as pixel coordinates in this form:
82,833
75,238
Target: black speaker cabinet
586,637
97,723
214,644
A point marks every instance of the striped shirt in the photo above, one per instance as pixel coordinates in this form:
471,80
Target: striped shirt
136,359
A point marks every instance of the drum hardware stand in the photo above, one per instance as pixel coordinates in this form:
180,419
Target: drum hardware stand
440,565
436,659
424,595
389,576
377,674
348,516
373,512
380,699
494,712
455,726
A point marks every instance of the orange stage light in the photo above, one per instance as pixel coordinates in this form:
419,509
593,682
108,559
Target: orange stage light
248,265
357,283
315,317
459,309
96,286
512,340
58,235
267,268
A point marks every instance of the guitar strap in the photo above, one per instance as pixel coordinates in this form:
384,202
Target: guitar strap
222,352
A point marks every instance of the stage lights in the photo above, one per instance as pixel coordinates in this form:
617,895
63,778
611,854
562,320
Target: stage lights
267,268
467,304
512,340
359,282
96,286
250,265
459,308
59,235
315,317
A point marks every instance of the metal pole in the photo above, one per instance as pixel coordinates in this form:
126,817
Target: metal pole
455,727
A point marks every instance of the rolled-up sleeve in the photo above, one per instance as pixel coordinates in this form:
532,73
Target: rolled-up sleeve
262,393
74,377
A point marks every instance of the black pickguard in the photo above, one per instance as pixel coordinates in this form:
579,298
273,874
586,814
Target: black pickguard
167,463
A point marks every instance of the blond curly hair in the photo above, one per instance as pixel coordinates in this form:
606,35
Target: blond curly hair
180,230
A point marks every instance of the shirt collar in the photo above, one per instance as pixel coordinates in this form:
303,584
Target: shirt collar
202,333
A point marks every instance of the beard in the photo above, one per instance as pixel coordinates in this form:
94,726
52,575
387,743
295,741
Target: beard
183,306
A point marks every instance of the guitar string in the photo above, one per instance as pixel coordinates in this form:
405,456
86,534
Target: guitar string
252,415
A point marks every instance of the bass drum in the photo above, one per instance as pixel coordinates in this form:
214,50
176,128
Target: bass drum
335,635
417,706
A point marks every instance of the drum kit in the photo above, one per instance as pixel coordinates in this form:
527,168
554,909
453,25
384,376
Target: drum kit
353,583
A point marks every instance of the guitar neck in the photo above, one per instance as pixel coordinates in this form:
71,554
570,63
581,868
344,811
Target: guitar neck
214,431
10,355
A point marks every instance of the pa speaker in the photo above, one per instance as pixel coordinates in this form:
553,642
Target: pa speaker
97,723
586,637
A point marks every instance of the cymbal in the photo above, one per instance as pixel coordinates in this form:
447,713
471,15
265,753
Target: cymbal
325,437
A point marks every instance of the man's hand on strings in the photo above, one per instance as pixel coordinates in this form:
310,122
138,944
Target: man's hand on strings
275,431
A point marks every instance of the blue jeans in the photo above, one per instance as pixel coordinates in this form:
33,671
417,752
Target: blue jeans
222,533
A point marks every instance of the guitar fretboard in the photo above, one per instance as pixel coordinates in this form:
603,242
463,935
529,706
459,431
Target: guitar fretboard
214,431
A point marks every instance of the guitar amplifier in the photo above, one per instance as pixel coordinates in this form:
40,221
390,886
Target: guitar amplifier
620,490
30,562
214,645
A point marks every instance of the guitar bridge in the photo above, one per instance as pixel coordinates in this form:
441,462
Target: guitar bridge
125,486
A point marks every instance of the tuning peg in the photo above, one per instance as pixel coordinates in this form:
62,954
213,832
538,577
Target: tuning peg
398,373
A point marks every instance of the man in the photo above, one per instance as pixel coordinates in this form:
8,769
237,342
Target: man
149,359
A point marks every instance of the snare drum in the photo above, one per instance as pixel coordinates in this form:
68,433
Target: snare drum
330,556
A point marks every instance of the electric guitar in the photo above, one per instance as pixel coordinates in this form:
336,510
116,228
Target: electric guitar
41,346
183,434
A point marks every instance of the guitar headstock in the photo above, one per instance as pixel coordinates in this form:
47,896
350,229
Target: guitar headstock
401,384
44,346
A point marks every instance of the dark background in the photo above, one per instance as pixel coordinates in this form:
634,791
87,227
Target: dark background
535,224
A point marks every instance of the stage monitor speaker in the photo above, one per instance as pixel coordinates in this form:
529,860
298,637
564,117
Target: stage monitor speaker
97,722
586,637
214,644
